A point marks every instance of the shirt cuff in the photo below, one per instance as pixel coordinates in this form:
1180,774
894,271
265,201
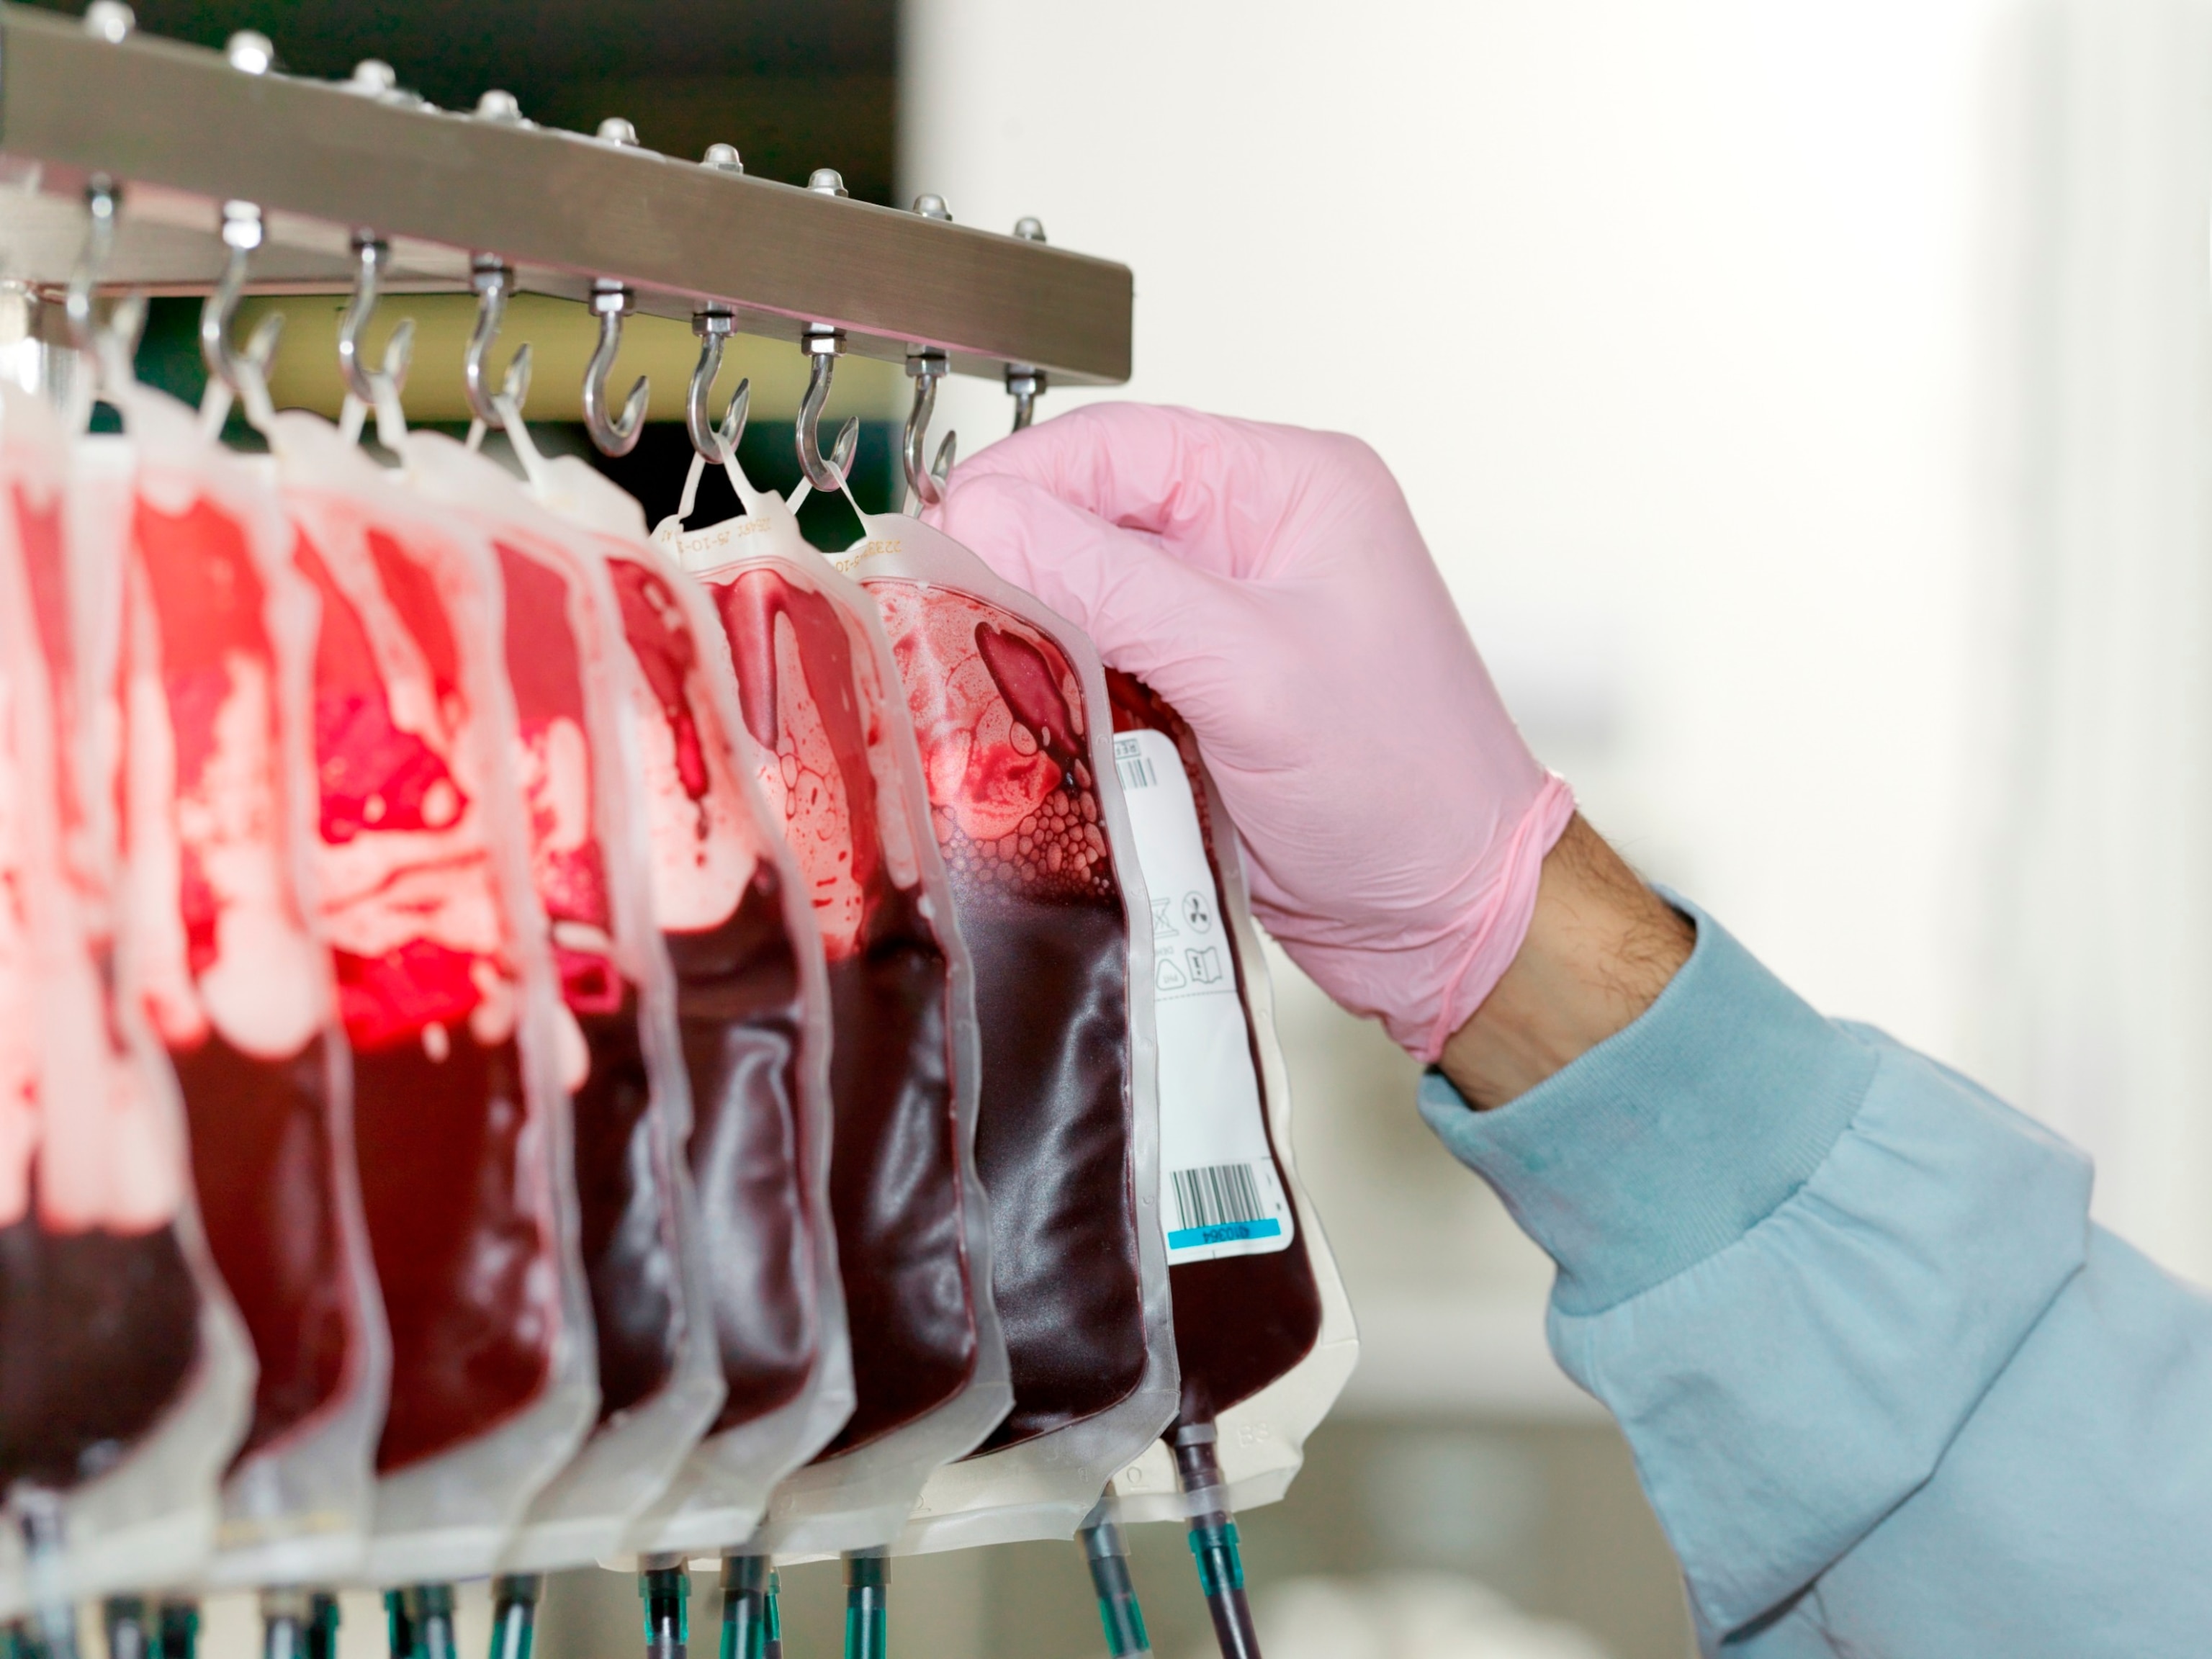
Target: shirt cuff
1673,1138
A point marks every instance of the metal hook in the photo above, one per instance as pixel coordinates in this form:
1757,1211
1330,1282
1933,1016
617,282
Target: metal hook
821,346
925,366
1025,382
101,202
941,468
715,441
612,302
368,255
491,279
242,233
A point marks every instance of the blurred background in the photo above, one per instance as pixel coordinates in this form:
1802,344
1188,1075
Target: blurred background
1807,401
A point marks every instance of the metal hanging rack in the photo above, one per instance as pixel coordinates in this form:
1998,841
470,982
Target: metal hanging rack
189,135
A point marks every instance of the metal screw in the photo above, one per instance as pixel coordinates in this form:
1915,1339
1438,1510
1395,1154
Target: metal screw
611,297
704,322
1029,229
250,52
933,207
373,78
820,340
615,130
827,181
496,105
723,157
110,20
241,226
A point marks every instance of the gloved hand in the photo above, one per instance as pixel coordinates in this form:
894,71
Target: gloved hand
1270,583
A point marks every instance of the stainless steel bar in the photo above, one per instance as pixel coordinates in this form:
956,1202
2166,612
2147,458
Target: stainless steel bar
182,132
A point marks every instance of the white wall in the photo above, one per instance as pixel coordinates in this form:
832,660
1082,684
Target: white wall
1660,311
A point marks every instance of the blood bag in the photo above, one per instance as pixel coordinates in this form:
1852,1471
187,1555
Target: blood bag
450,1001
660,1383
199,640
1009,709
125,1382
836,764
1264,1334
753,1011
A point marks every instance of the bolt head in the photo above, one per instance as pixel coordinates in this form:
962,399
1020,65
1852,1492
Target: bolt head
241,226
704,322
821,341
611,297
724,157
497,106
1030,229
827,181
615,130
374,77
250,52
933,207
110,20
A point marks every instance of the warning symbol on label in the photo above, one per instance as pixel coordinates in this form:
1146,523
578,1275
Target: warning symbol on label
1194,912
1166,976
1161,928
1204,965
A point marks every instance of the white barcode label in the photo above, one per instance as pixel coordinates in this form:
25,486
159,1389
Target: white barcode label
1223,1195
1133,764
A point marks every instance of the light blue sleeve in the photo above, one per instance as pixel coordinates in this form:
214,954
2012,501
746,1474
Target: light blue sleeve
1889,1391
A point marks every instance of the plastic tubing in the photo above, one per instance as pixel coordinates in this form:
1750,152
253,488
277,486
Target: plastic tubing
665,1589
746,1606
1213,1541
514,1613
774,1648
418,1623
1107,1556
867,1604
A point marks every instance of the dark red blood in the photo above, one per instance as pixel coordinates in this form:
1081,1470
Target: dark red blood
894,1178
739,1010
264,1161
628,1217
1052,997
1241,1321
98,1333
445,1145
749,604
469,1286
1032,691
653,622
628,1211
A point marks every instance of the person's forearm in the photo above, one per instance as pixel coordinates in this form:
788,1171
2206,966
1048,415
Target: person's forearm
1601,947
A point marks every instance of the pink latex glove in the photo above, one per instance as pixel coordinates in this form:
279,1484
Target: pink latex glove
1269,582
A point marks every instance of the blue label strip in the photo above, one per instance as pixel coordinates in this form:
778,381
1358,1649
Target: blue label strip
1229,1233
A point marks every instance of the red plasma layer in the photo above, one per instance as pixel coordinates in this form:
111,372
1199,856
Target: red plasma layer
894,1181
1241,1321
739,1011
263,1157
997,708
628,1214
441,1128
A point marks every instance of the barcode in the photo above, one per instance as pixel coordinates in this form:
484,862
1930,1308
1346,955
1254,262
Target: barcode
1218,1195
1135,770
